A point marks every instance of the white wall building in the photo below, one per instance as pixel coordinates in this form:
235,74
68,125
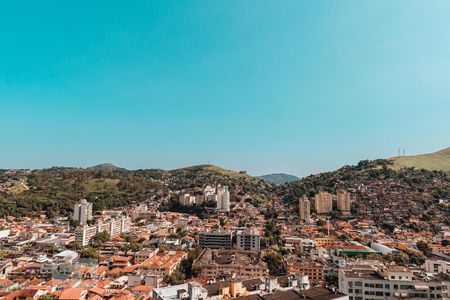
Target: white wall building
223,198
247,240
82,212
364,282
114,227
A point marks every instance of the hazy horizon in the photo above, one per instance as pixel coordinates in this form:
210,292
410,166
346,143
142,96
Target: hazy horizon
297,88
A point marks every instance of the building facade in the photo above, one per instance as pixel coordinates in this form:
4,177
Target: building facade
323,202
114,227
305,209
344,202
223,198
247,240
216,240
364,282
82,212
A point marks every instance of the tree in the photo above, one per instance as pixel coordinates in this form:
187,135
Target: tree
99,238
332,278
177,277
274,262
89,252
445,243
417,259
424,247
399,258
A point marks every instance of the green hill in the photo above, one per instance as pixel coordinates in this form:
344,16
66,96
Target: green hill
278,178
439,161
54,191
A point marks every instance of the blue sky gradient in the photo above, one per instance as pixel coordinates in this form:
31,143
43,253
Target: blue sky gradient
263,86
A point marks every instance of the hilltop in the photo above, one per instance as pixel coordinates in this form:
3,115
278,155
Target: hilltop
278,178
437,161
106,167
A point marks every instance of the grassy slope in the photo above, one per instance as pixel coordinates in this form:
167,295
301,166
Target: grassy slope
433,161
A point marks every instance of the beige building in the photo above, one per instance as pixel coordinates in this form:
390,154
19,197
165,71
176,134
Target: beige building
344,202
304,209
323,202
214,263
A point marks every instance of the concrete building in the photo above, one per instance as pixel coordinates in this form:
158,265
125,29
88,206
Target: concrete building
188,291
299,244
247,240
223,198
216,240
214,263
114,227
164,263
144,254
344,202
323,202
437,266
304,209
82,212
364,282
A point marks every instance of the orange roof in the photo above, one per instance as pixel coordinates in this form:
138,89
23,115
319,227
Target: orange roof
142,288
71,294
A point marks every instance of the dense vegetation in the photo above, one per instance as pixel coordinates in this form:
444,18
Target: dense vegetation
54,191
429,184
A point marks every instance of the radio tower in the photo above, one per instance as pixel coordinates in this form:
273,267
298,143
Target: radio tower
404,152
399,153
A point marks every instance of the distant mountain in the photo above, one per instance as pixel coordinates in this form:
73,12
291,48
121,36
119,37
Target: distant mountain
279,178
106,167
439,161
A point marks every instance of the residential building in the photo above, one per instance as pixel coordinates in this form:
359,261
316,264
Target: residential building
305,209
216,239
163,262
144,254
215,263
188,291
364,282
323,202
114,227
344,201
223,198
82,212
299,266
247,240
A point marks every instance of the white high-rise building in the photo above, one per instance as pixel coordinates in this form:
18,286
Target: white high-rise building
82,212
223,198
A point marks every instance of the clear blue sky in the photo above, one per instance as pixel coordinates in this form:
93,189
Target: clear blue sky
263,86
